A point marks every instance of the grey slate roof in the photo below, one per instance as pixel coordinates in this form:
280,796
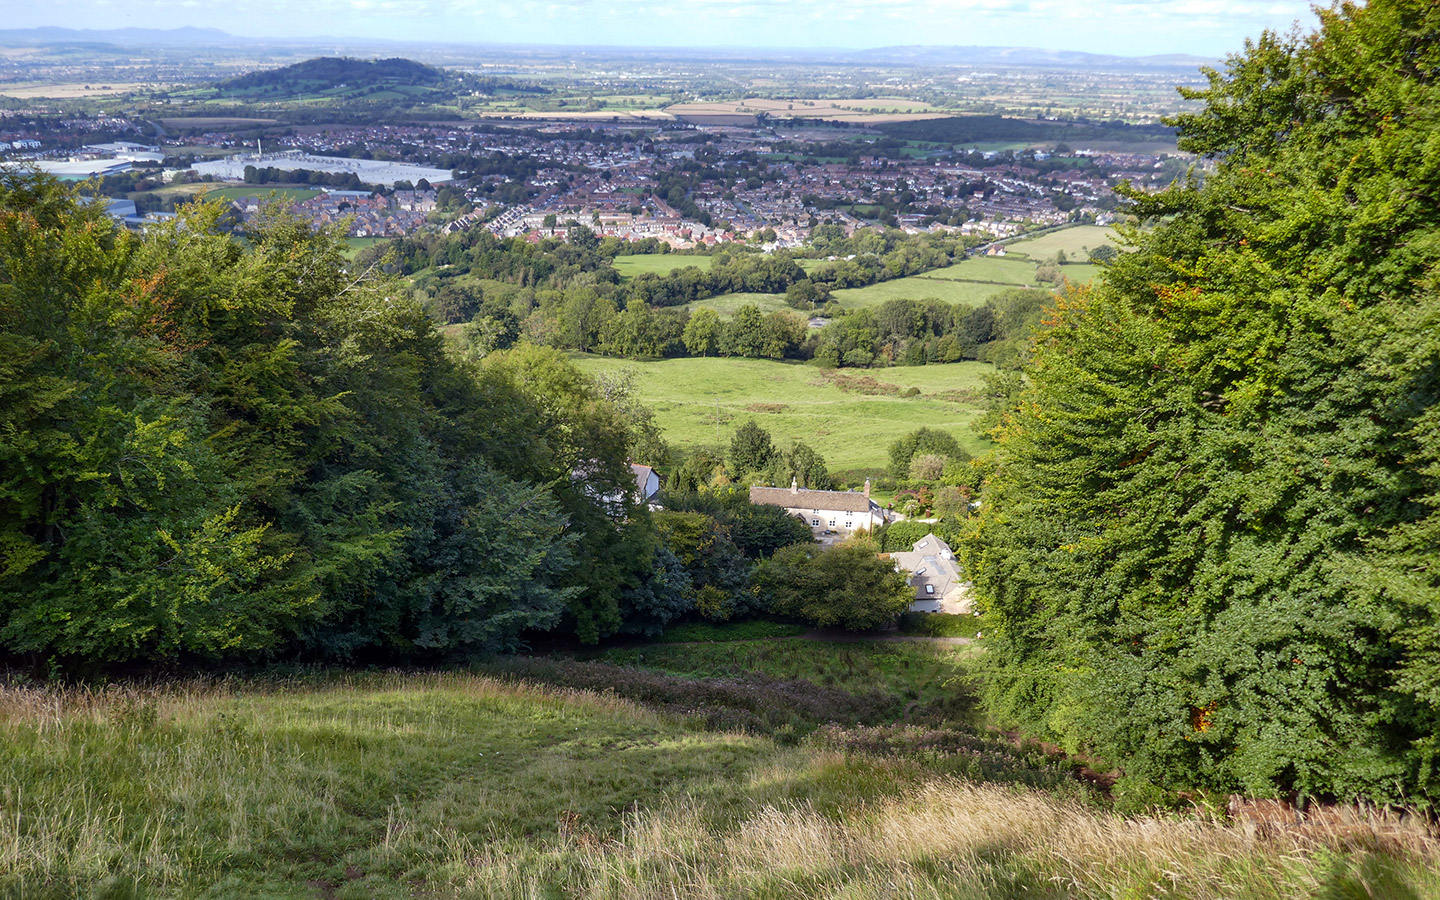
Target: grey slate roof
930,562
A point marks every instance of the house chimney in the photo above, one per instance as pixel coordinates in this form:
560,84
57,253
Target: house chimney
867,488
794,486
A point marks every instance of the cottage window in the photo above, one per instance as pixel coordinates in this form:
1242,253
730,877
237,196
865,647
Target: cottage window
814,523
922,545
929,588
920,571
832,523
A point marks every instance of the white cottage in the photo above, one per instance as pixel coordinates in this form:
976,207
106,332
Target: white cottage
839,513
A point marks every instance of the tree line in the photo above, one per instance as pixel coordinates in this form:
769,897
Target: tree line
244,450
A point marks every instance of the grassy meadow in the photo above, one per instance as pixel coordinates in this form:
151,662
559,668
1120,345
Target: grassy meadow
850,416
1075,241
919,287
728,305
262,191
969,282
658,263
786,770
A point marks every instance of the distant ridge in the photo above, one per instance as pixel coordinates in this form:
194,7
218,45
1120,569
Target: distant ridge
154,37
926,55
915,54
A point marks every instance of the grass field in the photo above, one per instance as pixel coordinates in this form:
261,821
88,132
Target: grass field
356,244
1074,241
552,778
659,263
919,287
263,191
797,402
36,90
871,111
989,269
932,681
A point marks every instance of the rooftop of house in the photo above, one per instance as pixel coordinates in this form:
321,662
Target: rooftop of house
932,567
795,497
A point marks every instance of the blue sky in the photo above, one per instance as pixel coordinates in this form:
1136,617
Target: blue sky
1126,27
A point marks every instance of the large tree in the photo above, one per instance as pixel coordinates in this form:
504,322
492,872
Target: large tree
209,447
1214,503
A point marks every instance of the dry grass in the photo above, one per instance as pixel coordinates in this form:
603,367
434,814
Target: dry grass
948,839
462,786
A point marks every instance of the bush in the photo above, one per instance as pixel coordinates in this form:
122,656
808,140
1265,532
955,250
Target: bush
901,536
940,625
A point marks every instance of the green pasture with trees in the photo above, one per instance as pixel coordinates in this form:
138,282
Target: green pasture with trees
849,418
1214,505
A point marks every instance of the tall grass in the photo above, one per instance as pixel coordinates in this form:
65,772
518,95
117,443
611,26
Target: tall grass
949,840
467,786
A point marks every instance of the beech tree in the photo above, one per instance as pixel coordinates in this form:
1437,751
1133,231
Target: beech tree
1213,510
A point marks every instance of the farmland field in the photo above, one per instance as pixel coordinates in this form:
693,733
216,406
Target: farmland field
262,191
797,402
919,287
659,263
356,244
871,111
49,91
1074,241
989,268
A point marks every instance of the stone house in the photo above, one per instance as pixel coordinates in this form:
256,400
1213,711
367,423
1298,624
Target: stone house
830,514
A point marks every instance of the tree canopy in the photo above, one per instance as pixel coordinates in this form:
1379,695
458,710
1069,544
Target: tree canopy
1215,499
217,448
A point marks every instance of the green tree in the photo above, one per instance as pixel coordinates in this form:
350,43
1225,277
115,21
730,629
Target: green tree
703,332
845,586
751,449
1214,499
923,441
745,333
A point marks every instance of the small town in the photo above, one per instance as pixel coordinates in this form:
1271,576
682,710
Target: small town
535,180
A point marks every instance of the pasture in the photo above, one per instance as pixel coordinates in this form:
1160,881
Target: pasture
869,111
728,305
179,123
658,263
263,192
39,90
919,287
989,269
1074,241
851,416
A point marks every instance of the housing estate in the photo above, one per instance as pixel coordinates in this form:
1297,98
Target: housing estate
828,513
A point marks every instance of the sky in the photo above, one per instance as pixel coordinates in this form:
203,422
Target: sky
1209,28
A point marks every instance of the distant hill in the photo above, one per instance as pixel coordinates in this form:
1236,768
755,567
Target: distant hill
344,80
150,37
1023,56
